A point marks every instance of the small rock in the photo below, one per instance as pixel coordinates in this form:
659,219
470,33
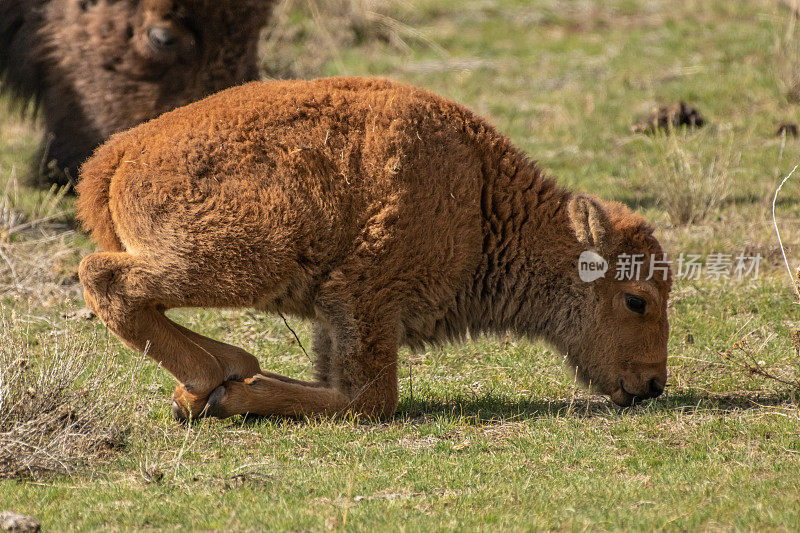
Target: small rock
789,129
16,522
671,116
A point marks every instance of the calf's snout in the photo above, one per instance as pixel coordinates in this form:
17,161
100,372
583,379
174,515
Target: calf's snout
645,386
655,387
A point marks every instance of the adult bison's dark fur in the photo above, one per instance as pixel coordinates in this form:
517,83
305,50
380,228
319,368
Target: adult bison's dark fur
96,67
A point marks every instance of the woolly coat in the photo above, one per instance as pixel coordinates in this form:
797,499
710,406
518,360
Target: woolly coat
376,201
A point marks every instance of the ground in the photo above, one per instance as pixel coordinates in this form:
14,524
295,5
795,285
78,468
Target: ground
493,433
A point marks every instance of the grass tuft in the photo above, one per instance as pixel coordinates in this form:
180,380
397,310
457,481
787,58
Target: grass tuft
745,357
786,63
63,402
304,35
693,175
37,246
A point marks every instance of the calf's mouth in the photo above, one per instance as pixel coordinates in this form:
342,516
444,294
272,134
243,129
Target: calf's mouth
622,397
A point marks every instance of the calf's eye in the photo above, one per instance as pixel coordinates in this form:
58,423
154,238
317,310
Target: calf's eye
635,303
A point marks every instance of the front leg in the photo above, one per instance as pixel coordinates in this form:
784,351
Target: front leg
275,395
363,382
235,363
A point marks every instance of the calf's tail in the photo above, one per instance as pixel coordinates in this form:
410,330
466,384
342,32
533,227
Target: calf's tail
93,209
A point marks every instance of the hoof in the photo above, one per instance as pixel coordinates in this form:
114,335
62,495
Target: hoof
214,405
187,406
178,413
181,413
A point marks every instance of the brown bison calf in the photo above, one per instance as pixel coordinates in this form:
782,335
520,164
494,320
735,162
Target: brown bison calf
102,66
385,214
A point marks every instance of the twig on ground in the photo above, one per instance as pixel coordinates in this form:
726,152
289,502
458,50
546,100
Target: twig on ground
778,233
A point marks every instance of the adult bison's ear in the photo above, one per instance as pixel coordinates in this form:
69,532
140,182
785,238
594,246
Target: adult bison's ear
589,221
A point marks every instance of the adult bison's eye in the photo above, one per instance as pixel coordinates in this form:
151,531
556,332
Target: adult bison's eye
635,303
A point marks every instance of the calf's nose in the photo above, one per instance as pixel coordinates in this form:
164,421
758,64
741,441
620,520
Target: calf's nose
654,388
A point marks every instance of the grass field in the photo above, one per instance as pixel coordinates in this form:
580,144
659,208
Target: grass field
491,434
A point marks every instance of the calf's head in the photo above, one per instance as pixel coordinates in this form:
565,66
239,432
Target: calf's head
619,345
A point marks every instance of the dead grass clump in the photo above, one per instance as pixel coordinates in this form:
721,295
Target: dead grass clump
670,117
63,403
38,256
692,176
787,69
786,54
303,35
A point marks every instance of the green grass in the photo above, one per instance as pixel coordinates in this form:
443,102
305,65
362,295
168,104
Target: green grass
494,433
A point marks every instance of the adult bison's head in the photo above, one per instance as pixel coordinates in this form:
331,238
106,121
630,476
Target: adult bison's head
168,37
164,32
104,66
619,344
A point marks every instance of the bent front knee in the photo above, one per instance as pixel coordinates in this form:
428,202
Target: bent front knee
95,273
101,275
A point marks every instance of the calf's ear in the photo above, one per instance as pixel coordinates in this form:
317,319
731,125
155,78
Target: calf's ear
589,221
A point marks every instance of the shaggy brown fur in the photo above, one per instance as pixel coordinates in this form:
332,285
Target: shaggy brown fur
102,66
382,212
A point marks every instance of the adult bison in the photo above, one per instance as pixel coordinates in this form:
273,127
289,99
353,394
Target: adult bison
382,212
102,66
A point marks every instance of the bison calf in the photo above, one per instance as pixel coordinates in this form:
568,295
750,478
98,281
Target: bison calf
383,213
102,66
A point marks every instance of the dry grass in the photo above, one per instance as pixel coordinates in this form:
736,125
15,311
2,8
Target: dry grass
63,402
692,177
60,393
786,64
304,35
744,358
787,68
37,250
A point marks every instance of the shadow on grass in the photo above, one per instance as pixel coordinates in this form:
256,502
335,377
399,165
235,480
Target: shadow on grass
489,408
495,409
